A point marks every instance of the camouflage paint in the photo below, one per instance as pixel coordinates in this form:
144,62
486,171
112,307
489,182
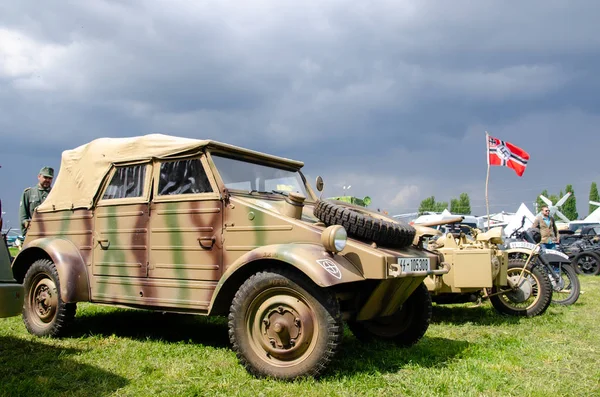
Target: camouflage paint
116,273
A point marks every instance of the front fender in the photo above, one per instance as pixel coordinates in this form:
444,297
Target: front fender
323,268
71,268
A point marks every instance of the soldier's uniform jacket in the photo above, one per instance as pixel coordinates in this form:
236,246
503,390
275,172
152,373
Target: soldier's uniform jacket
32,197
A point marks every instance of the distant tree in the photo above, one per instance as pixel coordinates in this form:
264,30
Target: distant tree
427,204
462,205
440,206
594,196
455,206
465,204
569,208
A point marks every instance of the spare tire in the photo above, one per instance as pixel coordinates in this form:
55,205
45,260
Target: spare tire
365,225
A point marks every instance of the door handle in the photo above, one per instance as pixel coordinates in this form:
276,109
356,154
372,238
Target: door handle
102,242
207,242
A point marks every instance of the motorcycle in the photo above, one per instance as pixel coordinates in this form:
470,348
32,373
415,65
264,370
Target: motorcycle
526,245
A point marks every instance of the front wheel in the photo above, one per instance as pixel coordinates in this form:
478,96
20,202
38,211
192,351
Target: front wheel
283,326
567,288
44,312
405,327
531,292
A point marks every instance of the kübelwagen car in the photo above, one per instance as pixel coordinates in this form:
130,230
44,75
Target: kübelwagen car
197,226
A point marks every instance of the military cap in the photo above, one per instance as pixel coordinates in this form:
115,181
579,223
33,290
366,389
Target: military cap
47,172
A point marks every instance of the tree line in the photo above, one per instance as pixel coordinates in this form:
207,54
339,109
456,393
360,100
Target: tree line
462,205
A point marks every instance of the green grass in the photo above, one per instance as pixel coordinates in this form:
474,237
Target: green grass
13,251
466,351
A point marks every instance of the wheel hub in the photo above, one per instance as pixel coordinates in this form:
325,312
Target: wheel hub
45,300
520,292
283,328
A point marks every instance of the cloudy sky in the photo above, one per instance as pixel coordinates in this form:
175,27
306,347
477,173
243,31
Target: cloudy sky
390,97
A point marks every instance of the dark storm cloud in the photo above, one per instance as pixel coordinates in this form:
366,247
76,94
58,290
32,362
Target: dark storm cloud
391,97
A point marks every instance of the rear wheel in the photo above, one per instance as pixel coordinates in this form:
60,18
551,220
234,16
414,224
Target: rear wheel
405,327
44,312
282,326
531,294
587,263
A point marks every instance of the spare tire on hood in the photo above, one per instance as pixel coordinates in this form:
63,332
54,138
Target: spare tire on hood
364,224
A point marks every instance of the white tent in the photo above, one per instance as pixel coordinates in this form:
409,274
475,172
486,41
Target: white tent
517,218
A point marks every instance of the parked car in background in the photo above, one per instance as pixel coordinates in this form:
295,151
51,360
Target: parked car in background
11,293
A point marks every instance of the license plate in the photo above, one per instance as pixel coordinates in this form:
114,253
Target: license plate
410,265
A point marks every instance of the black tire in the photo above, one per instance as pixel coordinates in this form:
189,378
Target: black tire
365,225
533,296
44,312
405,328
265,332
587,262
568,293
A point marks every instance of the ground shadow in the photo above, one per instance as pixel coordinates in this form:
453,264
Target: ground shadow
358,357
29,368
479,315
149,325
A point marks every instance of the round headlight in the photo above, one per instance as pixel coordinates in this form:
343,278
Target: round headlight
334,238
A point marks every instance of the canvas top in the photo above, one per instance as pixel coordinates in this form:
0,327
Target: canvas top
82,169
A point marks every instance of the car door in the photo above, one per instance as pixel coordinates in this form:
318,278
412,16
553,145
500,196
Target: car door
185,234
120,246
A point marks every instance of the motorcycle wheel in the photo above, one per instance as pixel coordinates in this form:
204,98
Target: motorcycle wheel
530,298
566,291
587,262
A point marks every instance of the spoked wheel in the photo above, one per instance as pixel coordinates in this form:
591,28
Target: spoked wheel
567,288
284,327
405,327
527,295
44,312
587,263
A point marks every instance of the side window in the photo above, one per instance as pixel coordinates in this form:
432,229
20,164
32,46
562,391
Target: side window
183,177
126,182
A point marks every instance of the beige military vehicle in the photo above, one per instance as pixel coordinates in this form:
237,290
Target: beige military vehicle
479,269
197,226
11,293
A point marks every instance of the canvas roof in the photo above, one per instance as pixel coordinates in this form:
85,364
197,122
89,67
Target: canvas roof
82,169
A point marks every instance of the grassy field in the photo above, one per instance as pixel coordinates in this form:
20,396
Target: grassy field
470,351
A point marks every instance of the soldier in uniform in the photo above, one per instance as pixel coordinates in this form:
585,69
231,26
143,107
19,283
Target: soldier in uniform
34,196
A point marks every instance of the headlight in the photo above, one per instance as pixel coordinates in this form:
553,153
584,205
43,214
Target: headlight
334,238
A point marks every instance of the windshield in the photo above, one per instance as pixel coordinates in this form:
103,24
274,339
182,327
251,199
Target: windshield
247,176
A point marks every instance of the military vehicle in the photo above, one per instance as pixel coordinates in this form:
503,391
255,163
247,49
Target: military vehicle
479,270
11,293
198,226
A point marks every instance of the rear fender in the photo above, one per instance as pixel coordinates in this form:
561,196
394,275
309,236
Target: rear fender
323,268
71,268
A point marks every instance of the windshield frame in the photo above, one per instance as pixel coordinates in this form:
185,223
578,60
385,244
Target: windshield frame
310,194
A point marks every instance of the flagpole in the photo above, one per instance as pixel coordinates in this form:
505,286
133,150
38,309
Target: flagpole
487,178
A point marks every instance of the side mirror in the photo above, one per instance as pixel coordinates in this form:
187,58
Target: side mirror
320,184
